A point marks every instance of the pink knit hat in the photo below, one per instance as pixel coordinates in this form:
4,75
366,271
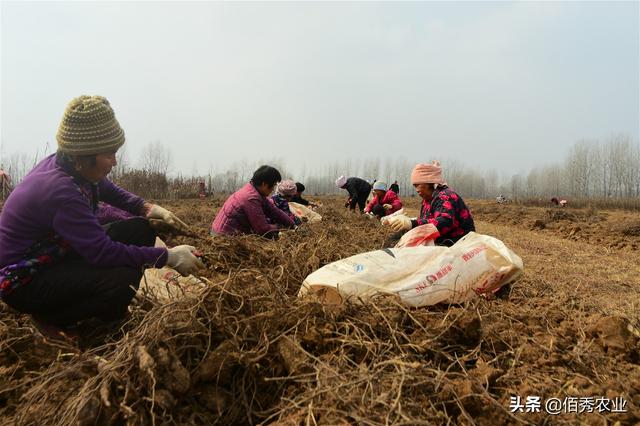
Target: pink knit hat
287,187
427,173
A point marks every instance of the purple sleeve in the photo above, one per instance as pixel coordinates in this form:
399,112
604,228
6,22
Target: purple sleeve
112,194
76,224
256,216
107,213
278,215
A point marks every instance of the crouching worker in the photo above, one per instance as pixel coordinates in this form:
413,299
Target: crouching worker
297,198
358,189
284,192
57,262
384,202
441,206
250,211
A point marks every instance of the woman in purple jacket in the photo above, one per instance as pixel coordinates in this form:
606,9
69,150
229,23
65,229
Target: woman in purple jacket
57,262
250,211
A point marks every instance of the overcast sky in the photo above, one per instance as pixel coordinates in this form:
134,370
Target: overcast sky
495,85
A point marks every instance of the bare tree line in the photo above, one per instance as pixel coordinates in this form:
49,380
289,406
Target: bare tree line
18,164
608,168
592,169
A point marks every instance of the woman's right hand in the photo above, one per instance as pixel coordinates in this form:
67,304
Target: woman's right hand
400,223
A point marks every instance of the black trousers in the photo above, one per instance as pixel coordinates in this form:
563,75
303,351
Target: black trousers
379,211
361,201
74,290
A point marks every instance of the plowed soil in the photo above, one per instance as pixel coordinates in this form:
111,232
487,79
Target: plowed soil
247,350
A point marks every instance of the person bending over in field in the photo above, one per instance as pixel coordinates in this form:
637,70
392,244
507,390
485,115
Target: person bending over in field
57,262
250,211
284,192
358,189
384,202
441,206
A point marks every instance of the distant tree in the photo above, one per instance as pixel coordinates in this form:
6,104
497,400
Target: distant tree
156,158
122,164
517,186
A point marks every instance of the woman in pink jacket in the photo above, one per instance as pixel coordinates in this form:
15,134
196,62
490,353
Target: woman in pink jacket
250,211
384,202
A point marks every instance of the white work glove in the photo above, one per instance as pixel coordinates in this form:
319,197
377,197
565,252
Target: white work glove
183,260
400,223
387,206
160,217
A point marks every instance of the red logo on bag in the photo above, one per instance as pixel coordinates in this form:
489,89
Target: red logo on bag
470,254
422,286
431,279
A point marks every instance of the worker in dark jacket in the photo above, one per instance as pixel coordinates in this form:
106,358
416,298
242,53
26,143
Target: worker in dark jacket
297,198
394,187
359,190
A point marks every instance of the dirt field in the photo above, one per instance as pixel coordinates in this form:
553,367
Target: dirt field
247,350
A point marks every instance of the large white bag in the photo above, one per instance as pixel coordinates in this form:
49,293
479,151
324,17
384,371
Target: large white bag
301,212
420,276
166,284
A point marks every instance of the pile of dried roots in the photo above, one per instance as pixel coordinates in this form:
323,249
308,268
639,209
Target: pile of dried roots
247,350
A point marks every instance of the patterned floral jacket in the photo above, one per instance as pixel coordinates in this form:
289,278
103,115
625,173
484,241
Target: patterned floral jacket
447,212
283,205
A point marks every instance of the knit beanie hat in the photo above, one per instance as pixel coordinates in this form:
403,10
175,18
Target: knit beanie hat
379,186
286,187
89,127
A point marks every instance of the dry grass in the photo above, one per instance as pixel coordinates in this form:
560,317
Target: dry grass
249,351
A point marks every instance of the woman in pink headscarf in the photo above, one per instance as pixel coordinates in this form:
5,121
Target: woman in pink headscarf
284,192
441,206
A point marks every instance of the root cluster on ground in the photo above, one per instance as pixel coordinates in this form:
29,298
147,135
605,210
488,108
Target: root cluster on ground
247,350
